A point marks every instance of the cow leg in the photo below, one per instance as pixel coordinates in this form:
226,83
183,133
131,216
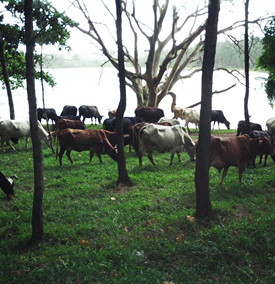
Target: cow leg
265,160
8,143
150,157
91,155
61,152
27,140
99,157
178,154
241,170
140,158
68,154
223,175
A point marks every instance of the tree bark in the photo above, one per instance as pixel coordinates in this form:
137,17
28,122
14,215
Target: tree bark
6,77
203,202
123,178
246,66
37,211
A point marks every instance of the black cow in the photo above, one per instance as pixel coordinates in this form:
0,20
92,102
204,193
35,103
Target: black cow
69,110
268,135
110,123
90,112
47,113
7,185
217,115
253,126
149,114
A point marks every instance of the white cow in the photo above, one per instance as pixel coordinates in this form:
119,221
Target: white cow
270,125
17,129
191,115
172,139
172,121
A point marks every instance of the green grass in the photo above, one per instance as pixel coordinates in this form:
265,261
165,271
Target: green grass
98,233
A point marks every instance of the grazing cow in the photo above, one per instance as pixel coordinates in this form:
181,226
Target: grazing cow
17,129
47,113
169,120
67,123
112,137
69,110
172,139
7,185
237,151
112,113
217,115
258,134
134,133
84,140
149,114
90,112
110,123
178,112
191,115
253,126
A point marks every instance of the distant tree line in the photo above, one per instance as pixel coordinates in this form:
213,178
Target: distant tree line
228,55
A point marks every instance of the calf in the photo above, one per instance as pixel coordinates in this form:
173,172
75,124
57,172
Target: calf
258,134
237,151
178,112
90,112
217,115
84,140
242,128
7,185
46,113
172,139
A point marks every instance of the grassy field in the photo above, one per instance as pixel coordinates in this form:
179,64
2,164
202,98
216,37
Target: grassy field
97,233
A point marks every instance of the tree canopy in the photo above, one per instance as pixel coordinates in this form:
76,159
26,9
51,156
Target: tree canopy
51,27
267,59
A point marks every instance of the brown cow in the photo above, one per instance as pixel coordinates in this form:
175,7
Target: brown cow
68,123
149,114
237,151
84,140
112,137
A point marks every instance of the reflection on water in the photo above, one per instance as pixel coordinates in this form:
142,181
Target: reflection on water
91,86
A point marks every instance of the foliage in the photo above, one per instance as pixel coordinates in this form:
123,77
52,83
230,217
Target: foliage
98,233
267,59
50,27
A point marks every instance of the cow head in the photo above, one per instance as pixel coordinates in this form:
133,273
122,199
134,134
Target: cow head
7,185
99,117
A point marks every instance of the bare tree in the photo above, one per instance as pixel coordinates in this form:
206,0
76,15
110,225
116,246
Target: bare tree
123,178
168,50
203,203
37,211
246,65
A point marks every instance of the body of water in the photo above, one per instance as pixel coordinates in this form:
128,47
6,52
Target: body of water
100,87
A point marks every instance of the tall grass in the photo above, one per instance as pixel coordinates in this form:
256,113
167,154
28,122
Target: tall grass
98,233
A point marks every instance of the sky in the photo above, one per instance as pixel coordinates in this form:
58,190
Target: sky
81,43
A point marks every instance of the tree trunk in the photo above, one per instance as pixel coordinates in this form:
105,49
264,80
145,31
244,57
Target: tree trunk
123,178
6,77
246,65
37,212
203,202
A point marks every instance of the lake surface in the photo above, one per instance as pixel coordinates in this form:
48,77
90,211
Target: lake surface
100,87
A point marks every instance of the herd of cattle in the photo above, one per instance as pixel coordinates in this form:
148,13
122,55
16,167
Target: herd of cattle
147,131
